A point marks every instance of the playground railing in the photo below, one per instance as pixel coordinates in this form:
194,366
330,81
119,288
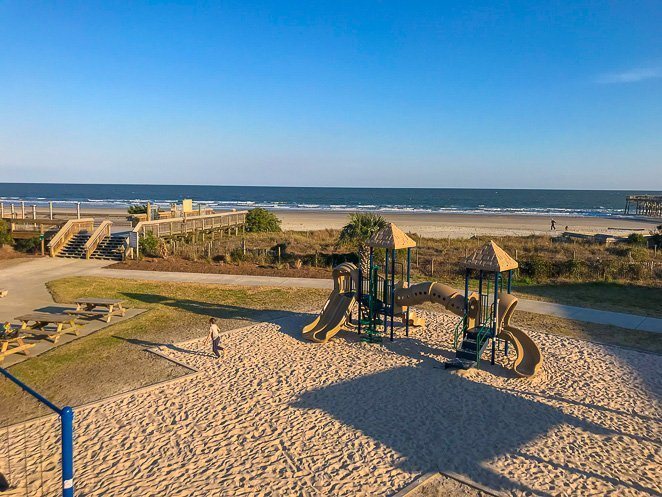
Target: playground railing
483,334
66,415
458,331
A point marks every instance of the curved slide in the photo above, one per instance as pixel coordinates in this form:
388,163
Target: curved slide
529,357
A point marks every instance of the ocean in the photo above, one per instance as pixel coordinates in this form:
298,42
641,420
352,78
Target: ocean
600,203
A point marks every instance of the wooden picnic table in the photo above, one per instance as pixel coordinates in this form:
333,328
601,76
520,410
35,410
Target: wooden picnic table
11,342
64,323
103,308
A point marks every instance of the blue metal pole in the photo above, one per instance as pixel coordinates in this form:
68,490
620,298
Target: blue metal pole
510,281
29,390
67,420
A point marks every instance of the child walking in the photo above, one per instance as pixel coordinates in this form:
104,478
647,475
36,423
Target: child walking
215,338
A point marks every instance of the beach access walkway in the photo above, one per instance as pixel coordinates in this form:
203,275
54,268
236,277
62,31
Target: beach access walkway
26,284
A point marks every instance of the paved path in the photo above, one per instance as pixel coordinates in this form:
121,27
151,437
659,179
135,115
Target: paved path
26,282
28,290
588,315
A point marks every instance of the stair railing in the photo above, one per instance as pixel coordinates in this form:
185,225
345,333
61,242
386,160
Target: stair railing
458,331
483,334
68,230
102,231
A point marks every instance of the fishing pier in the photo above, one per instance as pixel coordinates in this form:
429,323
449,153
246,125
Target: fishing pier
644,205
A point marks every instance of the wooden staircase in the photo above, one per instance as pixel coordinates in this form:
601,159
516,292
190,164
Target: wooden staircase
110,248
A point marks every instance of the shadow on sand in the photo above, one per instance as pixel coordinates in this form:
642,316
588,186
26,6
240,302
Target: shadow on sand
439,421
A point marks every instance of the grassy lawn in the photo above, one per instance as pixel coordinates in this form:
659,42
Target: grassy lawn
608,335
610,296
606,295
113,360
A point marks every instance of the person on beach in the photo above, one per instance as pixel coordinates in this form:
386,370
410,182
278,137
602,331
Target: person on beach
215,338
553,228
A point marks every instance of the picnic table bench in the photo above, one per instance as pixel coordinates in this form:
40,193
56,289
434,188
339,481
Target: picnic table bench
11,342
102,308
64,323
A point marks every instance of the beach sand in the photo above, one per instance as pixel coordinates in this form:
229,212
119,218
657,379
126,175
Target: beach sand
467,225
433,225
281,416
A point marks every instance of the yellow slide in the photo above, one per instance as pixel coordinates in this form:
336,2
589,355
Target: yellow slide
333,317
338,307
529,357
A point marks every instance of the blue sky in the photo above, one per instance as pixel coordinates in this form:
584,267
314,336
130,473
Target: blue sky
344,93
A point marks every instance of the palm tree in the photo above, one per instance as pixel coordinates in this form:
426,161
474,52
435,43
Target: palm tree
361,226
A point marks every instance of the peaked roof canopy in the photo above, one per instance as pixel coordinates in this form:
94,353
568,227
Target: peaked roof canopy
491,258
391,237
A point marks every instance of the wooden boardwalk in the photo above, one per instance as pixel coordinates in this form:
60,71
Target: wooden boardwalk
222,222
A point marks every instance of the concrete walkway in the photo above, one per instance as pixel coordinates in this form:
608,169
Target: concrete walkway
26,283
588,315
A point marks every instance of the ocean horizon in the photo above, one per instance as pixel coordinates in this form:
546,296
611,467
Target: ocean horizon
590,203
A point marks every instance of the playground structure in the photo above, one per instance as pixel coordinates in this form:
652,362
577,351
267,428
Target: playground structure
485,314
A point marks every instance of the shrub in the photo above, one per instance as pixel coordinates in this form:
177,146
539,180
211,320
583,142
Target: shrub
573,268
537,268
137,209
27,245
639,253
5,236
637,239
260,220
149,245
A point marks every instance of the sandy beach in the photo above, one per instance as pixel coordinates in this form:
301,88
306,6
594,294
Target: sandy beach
281,416
466,225
433,225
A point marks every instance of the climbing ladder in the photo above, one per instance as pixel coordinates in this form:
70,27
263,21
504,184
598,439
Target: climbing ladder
371,310
474,343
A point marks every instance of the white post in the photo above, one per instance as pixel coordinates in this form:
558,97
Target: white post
22,209
34,212
12,211
2,209
50,210
78,209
